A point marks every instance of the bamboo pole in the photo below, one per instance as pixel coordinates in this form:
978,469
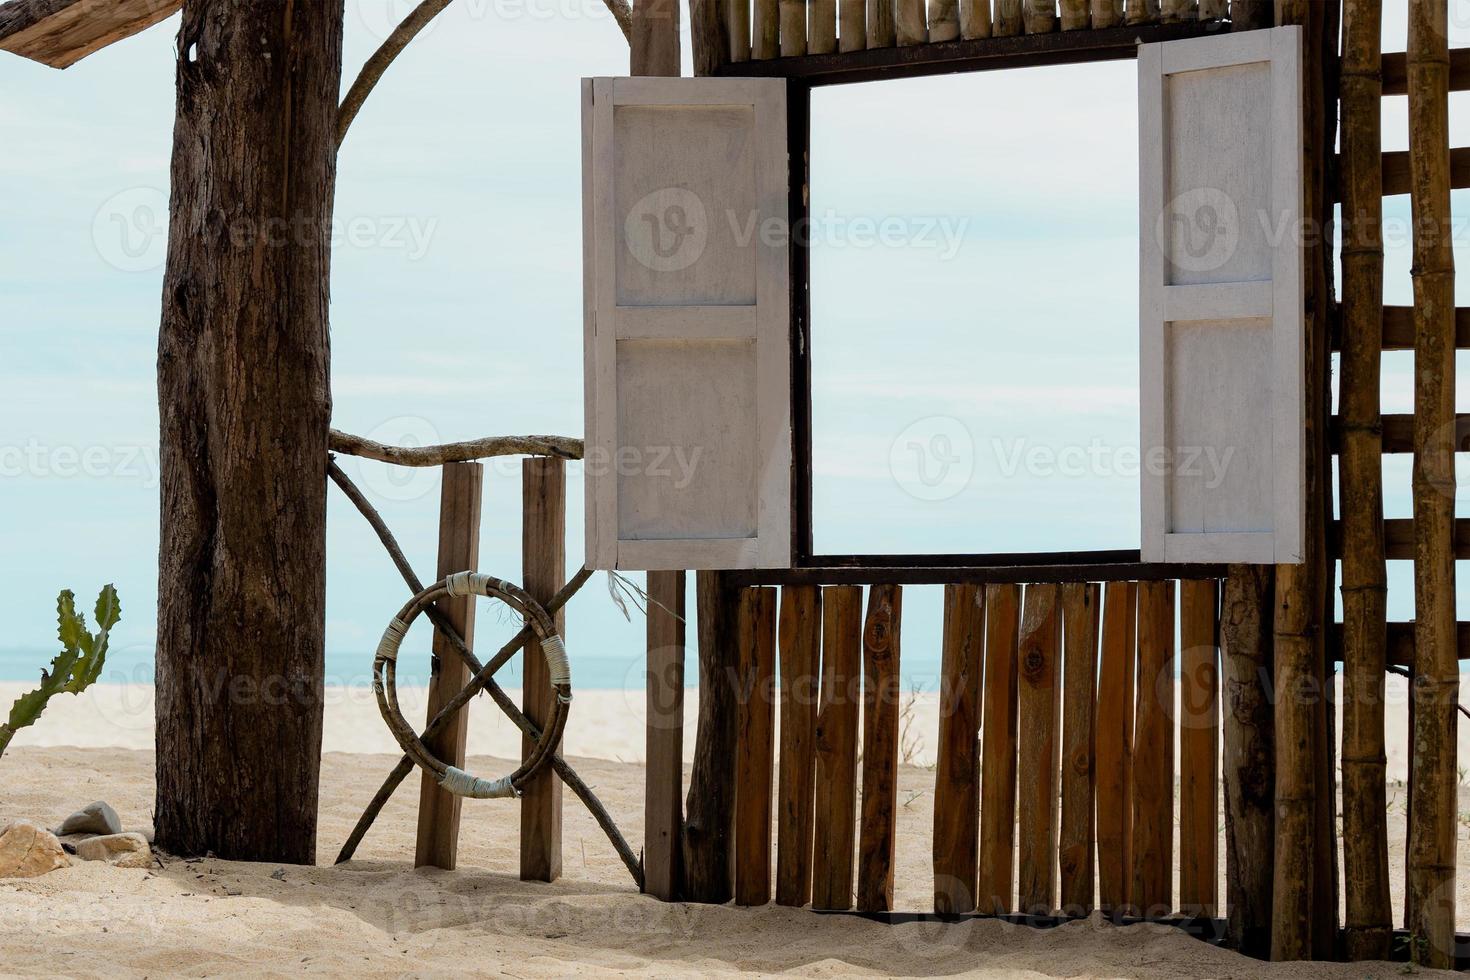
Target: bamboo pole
460,495
1007,18
974,18
909,27
1115,745
996,885
835,823
1039,748
1075,15
800,655
1431,875
737,19
1106,13
881,30
765,30
944,20
793,27
1080,612
1040,16
663,781
543,568
1249,765
957,774
1143,11
852,24
821,28
1369,923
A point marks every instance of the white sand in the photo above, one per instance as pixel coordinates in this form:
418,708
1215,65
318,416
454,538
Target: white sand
378,916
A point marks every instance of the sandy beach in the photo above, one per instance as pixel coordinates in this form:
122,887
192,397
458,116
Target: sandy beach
377,916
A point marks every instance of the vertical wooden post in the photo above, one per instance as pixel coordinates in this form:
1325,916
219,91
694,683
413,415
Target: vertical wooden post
852,25
880,748
821,32
1368,927
1153,753
663,813
800,656
1007,18
765,30
1040,747
754,747
1106,13
460,494
996,885
709,811
709,35
792,15
974,18
957,775
1040,16
1075,15
654,41
1431,873
909,23
737,17
1199,741
543,564
1080,611
944,20
1147,11
835,823
1249,767
1115,746
882,32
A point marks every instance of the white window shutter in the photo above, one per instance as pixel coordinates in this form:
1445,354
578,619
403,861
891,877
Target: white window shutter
1221,298
687,358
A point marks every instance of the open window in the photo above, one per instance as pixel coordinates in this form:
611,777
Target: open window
698,327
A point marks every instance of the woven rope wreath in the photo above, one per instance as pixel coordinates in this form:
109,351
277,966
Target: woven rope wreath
385,686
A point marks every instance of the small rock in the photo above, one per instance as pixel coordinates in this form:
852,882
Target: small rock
119,850
94,818
27,851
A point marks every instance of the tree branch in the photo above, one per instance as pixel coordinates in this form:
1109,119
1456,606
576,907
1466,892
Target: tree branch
622,11
373,70
561,447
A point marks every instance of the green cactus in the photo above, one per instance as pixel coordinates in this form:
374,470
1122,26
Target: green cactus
78,664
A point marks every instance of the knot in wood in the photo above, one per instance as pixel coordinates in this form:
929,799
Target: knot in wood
1033,664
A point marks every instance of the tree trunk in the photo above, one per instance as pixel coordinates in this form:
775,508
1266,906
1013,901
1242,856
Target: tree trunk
243,367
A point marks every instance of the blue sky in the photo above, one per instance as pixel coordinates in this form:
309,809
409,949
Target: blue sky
456,312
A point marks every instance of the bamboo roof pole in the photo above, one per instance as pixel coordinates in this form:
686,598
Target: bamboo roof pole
1430,894
1369,923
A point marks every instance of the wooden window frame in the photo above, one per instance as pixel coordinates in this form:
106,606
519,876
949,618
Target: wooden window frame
806,72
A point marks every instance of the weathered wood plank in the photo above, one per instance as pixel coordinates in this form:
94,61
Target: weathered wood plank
460,494
835,824
852,25
709,810
663,810
765,30
957,775
800,654
543,569
881,695
1080,612
793,28
1039,742
1396,71
1115,745
909,24
1199,740
1153,753
821,30
754,747
996,885
60,33
882,30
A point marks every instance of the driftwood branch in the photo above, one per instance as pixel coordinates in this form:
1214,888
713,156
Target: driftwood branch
375,66
622,11
482,680
560,447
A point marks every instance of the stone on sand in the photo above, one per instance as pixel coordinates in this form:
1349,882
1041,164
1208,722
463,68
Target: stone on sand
94,818
119,850
27,851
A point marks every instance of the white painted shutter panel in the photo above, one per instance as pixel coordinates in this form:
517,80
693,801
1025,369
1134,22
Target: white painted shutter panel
1221,304
688,357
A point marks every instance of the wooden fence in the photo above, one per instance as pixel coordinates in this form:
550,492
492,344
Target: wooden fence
763,29
1055,782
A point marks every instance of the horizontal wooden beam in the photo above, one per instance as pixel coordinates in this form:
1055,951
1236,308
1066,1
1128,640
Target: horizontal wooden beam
968,574
1398,433
1398,329
1398,538
1396,72
1396,175
979,54
60,33
1401,642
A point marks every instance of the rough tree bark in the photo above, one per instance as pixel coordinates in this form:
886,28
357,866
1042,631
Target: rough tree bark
709,810
244,409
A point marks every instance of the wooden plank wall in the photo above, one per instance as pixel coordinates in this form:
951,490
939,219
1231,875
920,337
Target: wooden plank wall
1054,786
762,29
